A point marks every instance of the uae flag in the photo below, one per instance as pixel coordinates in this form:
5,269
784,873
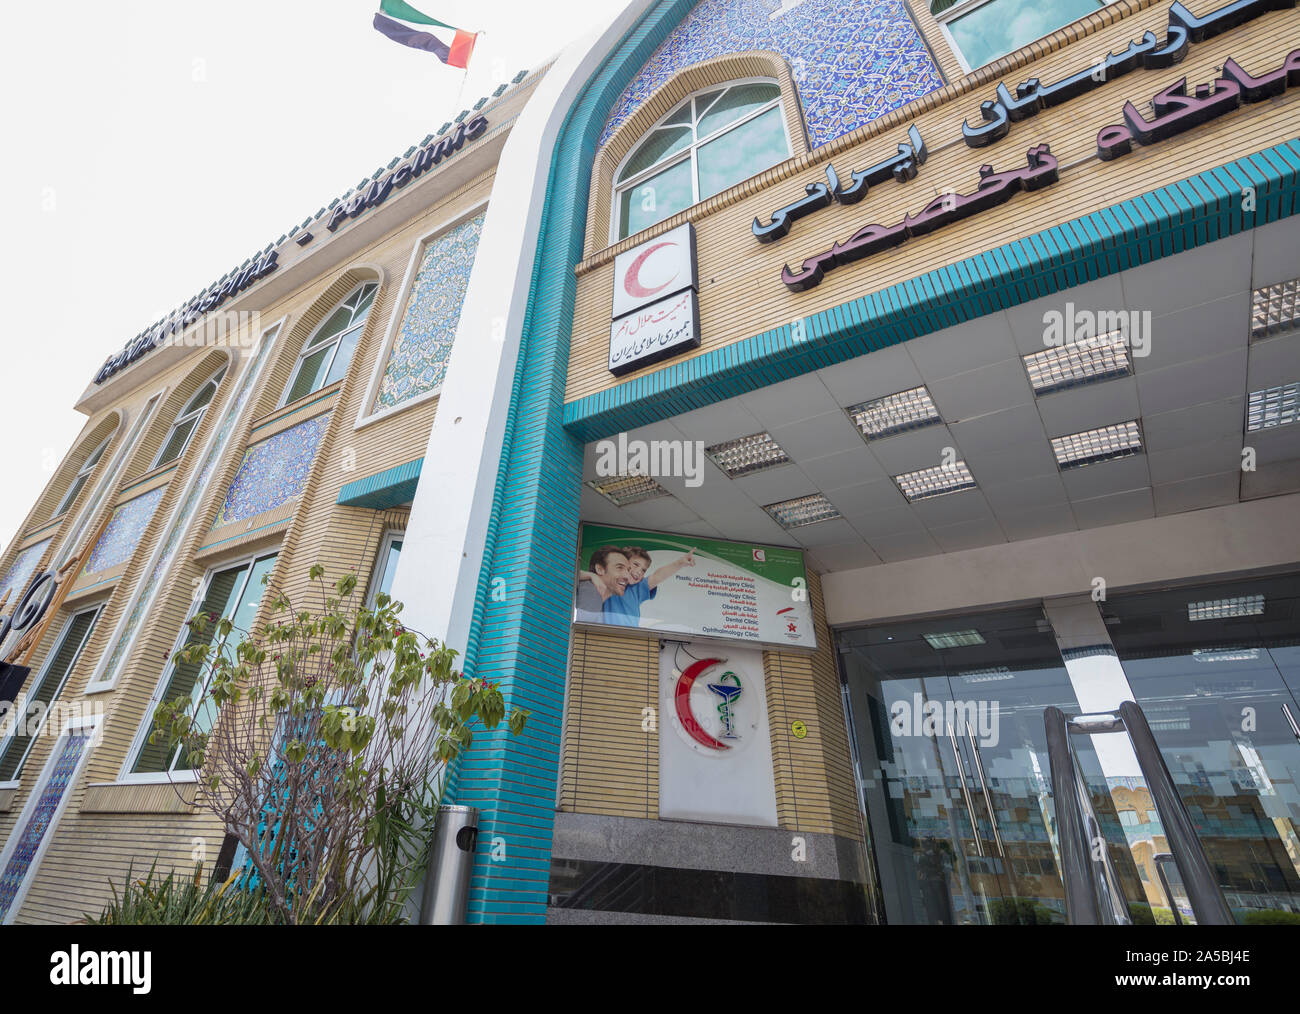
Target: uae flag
454,54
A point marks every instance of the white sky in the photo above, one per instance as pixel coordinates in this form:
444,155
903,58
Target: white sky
151,147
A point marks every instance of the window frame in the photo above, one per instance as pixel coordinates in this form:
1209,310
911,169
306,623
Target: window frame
78,483
380,570
174,774
42,675
365,415
218,375
309,348
619,186
964,7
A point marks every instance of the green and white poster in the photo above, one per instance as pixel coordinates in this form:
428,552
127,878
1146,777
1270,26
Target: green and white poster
681,584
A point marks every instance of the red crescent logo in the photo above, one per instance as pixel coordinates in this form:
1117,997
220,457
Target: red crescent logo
632,280
682,699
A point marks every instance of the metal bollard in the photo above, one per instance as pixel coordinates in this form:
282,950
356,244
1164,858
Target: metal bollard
451,861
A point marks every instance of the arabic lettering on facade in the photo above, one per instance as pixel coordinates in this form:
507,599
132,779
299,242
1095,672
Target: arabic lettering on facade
994,188
1031,97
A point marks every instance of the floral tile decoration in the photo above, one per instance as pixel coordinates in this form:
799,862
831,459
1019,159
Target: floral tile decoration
851,62
418,360
273,472
33,832
19,573
124,531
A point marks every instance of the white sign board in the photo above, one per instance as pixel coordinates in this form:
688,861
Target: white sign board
654,332
657,268
715,749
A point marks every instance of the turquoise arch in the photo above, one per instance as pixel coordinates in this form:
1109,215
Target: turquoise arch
521,638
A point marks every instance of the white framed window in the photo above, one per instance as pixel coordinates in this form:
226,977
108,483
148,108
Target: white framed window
326,354
710,141
188,419
83,473
29,721
390,550
980,31
233,592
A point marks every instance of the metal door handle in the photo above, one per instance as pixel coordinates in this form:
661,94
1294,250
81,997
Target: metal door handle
1159,859
970,806
984,787
1290,719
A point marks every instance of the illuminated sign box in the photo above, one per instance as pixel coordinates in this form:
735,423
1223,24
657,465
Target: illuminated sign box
655,310
664,583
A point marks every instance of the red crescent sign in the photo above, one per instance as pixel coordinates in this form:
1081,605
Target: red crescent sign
682,699
632,280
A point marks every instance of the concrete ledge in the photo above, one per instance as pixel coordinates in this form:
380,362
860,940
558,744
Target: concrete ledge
688,845
115,797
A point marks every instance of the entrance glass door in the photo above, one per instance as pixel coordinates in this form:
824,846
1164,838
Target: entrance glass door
1217,671
947,719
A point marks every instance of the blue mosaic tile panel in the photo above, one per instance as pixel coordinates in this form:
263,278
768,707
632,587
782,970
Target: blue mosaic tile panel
33,833
20,572
418,360
852,61
273,472
124,531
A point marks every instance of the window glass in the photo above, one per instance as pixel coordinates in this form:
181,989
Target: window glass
347,345
713,141
83,474
388,568
326,355
657,198
658,146
176,442
234,593
737,103
188,420
1001,26
32,718
741,153
311,374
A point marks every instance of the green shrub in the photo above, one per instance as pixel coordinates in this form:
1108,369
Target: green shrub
182,901
1270,917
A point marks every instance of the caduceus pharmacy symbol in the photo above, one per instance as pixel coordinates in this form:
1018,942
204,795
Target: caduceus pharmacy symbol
729,692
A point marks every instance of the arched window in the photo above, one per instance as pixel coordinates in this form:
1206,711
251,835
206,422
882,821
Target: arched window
326,355
187,420
83,473
711,141
980,31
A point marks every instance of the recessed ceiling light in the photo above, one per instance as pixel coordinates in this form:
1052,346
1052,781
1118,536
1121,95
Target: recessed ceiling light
627,489
938,481
894,413
992,675
747,455
954,639
1274,406
1074,450
1086,361
802,510
1274,309
1223,609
